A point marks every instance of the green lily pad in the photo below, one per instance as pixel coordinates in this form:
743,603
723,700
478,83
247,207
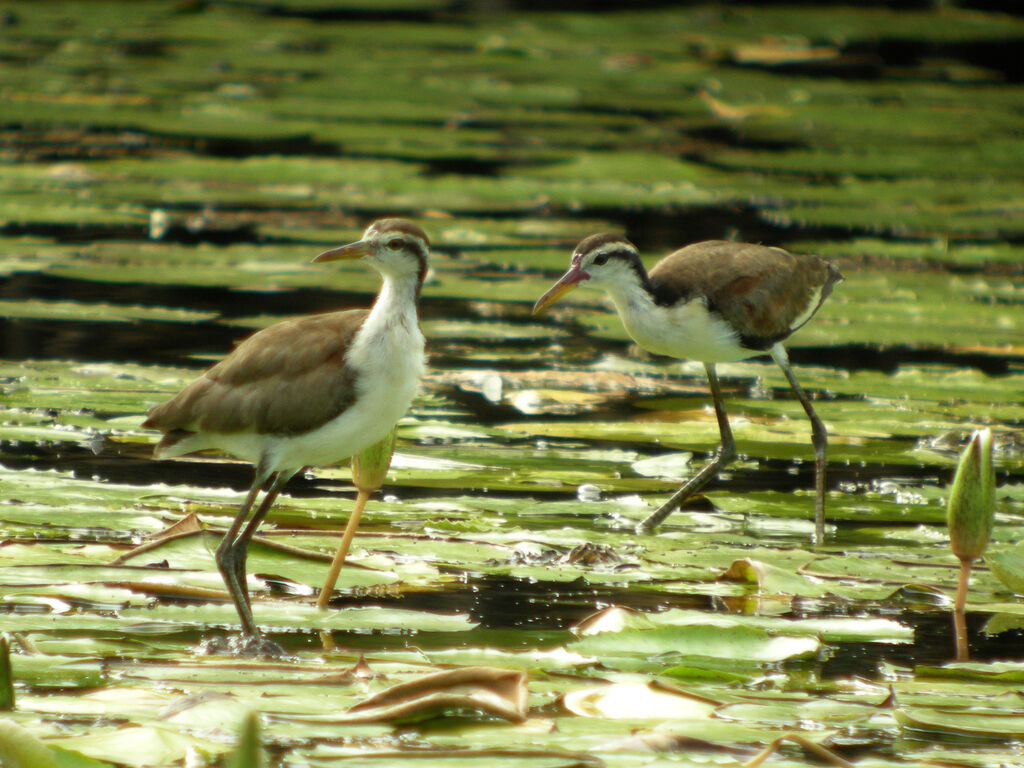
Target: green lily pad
1008,567
977,723
744,644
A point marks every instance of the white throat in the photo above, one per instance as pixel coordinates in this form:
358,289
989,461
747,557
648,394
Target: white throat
389,346
628,296
395,305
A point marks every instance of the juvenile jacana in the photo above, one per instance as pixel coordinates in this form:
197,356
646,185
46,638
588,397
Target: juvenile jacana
309,391
715,301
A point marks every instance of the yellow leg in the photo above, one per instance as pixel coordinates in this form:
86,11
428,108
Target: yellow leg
344,544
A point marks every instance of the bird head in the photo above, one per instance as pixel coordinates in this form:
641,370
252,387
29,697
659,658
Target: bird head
393,246
604,261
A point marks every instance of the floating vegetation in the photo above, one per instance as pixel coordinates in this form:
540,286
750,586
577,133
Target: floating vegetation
167,177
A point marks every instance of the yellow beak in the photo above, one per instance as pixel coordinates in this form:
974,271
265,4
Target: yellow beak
351,251
569,281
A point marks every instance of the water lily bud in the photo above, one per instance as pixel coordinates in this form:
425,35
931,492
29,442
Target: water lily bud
6,678
972,498
370,466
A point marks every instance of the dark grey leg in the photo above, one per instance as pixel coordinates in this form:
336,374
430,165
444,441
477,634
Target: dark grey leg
819,439
725,454
233,550
225,553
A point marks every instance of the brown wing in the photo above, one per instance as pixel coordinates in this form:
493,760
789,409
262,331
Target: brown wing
288,378
765,293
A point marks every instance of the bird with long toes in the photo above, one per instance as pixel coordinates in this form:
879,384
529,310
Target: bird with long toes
311,391
715,301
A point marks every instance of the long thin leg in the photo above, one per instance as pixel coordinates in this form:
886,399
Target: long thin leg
237,552
725,454
225,552
231,552
231,557
343,546
819,439
280,481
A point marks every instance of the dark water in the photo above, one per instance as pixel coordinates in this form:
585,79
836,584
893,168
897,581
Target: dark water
516,614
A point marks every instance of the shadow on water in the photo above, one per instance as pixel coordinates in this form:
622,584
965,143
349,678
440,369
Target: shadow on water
653,230
163,343
178,344
133,464
548,609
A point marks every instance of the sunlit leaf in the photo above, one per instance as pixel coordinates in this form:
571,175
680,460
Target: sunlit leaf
740,643
829,629
641,701
139,745
20,749
773,580
1008,567
612,619
976,722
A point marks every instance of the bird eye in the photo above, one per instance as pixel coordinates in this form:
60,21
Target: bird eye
395,243
600,259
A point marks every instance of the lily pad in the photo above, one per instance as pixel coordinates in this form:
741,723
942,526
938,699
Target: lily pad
743,644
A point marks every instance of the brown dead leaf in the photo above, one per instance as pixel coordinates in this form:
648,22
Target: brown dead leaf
486,690
656,741
820,751
781,51
189,525
361,670
731,112
614,618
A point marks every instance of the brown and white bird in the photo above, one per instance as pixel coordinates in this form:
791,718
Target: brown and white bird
309,391
715,301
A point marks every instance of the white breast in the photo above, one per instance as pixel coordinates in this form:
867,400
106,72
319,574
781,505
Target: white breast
686,331
388,353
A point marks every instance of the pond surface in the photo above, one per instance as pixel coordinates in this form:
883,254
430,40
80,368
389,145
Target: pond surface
167,175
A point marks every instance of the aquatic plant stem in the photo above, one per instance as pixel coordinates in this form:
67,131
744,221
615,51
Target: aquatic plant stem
959,618
961,586
343,546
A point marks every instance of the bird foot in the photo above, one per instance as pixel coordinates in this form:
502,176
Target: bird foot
246,646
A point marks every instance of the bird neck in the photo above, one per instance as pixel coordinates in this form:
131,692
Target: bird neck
397,299
632,295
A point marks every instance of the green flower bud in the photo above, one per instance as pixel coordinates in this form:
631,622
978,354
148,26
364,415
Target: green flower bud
972,498
370,466
6,678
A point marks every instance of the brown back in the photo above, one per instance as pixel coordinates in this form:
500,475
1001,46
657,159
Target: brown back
761,291
286,379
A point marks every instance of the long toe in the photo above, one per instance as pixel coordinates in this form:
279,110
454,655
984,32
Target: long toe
242,645
258,647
